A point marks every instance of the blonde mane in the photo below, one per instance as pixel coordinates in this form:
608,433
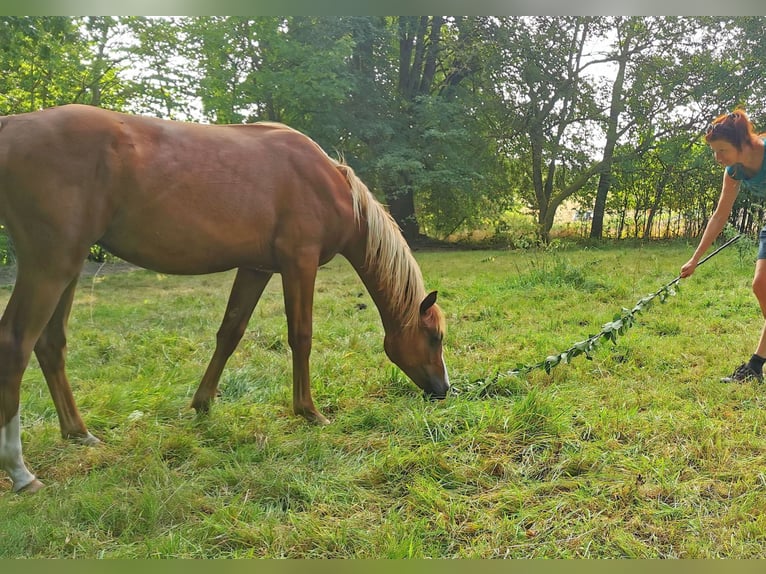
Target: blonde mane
387,253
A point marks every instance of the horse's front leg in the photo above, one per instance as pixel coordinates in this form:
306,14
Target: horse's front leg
245,293
298,287
51,354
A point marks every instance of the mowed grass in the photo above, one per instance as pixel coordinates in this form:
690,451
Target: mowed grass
641,452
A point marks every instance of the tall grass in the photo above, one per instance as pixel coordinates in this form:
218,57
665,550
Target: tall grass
641,452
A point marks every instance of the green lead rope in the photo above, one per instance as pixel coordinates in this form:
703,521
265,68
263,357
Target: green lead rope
609,332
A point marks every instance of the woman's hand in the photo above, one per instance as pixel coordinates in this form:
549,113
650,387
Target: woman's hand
688,268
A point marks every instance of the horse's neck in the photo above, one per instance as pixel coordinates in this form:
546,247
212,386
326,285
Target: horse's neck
389,315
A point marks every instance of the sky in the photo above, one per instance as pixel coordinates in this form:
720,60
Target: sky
389,7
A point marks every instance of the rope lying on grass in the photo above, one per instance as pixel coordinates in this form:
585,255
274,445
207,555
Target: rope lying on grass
609,332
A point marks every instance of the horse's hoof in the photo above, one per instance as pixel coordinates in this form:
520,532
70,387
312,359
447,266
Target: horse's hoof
318,418
30,488
314,417
87,440
201,407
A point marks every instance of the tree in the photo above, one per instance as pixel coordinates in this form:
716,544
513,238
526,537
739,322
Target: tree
54,60
450,119
291,70
627,32
160,65
429,154
550,107
674,75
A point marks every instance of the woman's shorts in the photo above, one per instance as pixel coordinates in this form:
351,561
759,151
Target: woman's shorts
762,244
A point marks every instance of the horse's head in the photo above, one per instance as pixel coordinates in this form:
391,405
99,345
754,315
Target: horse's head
417,350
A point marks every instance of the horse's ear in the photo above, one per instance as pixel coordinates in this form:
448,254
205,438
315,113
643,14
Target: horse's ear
428,302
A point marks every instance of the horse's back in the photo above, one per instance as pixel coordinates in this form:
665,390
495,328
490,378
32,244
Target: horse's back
176,196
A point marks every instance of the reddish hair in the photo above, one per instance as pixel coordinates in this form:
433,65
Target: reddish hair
735,128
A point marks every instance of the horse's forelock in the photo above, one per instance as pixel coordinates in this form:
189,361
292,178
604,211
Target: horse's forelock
440,322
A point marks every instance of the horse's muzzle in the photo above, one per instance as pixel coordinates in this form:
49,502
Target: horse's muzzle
438,390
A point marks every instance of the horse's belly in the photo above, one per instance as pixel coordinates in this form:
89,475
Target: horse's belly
191,248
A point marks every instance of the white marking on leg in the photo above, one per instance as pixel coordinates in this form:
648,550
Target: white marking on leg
11,460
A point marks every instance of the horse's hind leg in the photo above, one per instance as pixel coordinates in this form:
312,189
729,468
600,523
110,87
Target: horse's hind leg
32,303
51,354
245,293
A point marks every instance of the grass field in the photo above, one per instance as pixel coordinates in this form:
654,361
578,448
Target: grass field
641,452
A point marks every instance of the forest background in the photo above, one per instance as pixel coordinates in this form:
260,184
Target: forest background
510,131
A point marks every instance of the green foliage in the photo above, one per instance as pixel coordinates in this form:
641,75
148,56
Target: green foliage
429,158
39,62
452,120
609,331
292,70
7,251
455,183
619,324
54,60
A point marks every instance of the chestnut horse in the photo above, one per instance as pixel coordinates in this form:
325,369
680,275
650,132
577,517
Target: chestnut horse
186,198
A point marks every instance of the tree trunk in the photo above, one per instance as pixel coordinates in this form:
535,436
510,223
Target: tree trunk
599,206
420,43
659,191
401,205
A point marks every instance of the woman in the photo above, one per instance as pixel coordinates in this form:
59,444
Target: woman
736,146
